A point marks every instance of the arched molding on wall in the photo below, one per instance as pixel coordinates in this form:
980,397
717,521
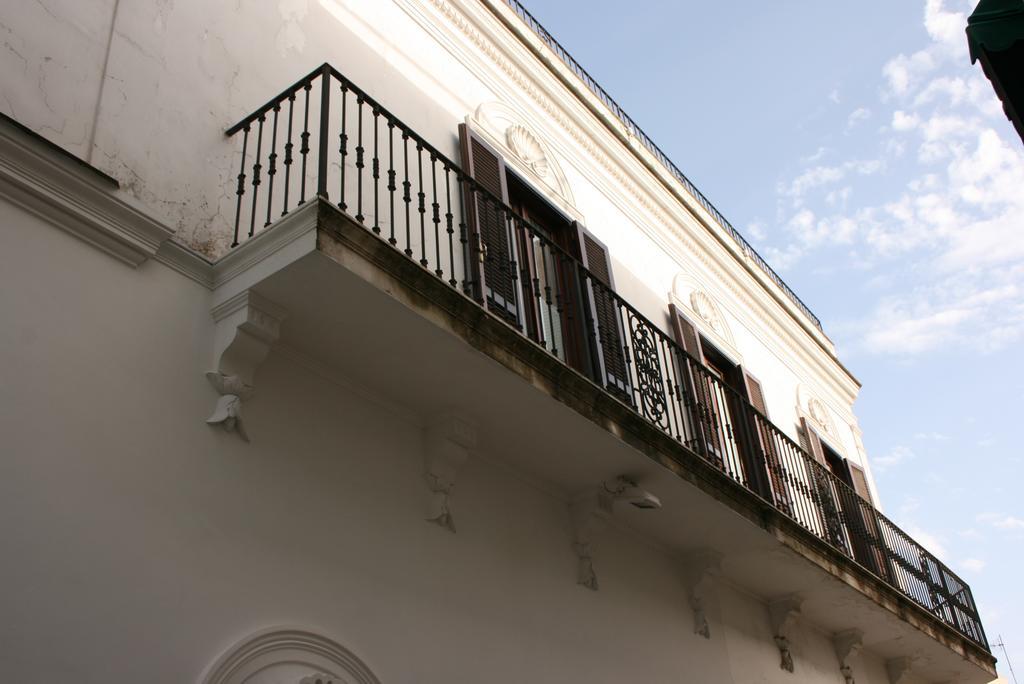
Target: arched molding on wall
819,415
525,150
291,655
695,300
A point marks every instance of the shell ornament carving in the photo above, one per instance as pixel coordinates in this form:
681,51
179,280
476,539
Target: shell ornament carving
701,303
817,411
526,146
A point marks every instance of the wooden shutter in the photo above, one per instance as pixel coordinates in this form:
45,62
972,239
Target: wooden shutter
703,416
608,330
811,442
821,485
686,333
871,548
491,250
860,482
765,439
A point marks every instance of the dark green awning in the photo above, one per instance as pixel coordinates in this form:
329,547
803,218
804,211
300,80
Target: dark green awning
995,35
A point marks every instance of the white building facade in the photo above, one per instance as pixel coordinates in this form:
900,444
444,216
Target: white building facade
370,341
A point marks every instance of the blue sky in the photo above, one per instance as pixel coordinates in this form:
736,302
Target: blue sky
860,151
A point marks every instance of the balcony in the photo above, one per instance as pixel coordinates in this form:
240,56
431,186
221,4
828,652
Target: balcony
409,277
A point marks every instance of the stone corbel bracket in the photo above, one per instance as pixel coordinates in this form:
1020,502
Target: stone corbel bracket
589,514
899,669
847,644
699,571
246,327
448,442
783,613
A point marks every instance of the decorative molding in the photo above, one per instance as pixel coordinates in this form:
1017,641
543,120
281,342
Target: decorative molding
847,644
783,613
899,669
818,414
50,183
320,678
589,514
690,294
283,241
529,150
524,149
185,261
246,326
700,569
267,656
447,443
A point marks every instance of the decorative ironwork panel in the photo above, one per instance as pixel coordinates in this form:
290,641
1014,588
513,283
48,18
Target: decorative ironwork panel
650,385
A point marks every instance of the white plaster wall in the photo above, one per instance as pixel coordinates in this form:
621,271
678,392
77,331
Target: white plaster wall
51,66
139,542
180,73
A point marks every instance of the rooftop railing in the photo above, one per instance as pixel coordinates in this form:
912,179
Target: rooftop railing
634,129
359,157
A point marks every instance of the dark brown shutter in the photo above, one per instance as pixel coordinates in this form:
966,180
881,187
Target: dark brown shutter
686,333
860,482
765,439
611,359
868,543
489,226
702,406
824,491
754,392
811,442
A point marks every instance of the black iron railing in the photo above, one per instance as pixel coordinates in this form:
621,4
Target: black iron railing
326,133
645,140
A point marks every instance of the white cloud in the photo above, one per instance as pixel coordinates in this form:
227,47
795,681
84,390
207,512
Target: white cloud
931,542
948,217
945,28
819,176
901,121
812,158
856,117
894,457
1001,521
903,72
757,230
973,564
955,90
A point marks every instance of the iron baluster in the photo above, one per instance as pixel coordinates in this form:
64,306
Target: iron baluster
256,177
304,148
241,185
272,168
391,179
407,196
448,217
359,157
438,271
421,206
376,173
325,122
343,145
288,153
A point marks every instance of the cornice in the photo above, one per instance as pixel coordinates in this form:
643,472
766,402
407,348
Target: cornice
297,224
187,262
664,219
59,188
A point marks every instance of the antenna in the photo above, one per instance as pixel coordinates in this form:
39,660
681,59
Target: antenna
1006,657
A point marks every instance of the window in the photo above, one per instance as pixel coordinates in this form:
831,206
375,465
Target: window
526,269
